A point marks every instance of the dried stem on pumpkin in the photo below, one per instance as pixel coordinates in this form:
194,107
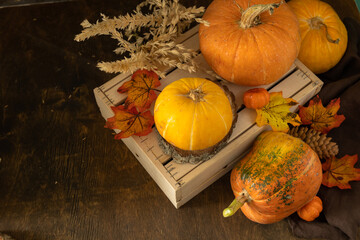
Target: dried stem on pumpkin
149,40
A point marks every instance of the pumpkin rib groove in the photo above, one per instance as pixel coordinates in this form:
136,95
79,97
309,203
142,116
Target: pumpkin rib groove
166,127
330,61
187,86
235,55
308,12
266,31
295,41
222,118
192,128
304,34
311,14
333,29
289,35
260,54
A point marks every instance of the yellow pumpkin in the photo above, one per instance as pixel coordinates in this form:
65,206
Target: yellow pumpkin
193,114
323,35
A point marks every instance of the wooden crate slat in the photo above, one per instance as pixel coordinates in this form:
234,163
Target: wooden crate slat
153,151
156,170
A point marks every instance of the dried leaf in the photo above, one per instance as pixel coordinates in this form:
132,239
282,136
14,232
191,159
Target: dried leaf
321,119
140,89
338,172
130,122
277,113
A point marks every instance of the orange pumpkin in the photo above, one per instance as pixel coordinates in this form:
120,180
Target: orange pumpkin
256,98
323,35
249,45
311,210
278,176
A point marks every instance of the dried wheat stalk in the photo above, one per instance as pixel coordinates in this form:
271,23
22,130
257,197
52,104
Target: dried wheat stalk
148,39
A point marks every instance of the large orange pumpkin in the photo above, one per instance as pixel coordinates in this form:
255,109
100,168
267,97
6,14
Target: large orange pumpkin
277,177
323,35
249,45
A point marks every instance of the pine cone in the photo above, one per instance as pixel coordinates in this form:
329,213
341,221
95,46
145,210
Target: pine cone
319,142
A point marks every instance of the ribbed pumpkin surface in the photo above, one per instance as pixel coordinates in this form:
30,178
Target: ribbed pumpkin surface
193,124
281,173
254,56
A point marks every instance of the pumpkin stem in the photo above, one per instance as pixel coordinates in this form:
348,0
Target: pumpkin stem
251,16
317,23
236,204
197,95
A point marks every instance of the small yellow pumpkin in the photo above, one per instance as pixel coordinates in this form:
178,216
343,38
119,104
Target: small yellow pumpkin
193,114
323,35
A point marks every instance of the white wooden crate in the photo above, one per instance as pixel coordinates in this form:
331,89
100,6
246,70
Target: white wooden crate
181,182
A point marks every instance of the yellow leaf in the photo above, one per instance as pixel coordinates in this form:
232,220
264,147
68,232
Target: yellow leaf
277,113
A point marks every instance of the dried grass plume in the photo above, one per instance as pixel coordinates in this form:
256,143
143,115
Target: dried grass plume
148,41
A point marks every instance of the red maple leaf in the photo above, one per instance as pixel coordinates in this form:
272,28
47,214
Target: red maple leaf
321,119
338,172
130,122
140,89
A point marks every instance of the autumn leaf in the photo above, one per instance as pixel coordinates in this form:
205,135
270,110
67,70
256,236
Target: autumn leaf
277,113
321,119
140,89
130,122
338,172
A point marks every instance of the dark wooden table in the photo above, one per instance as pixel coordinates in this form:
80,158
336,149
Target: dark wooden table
62,175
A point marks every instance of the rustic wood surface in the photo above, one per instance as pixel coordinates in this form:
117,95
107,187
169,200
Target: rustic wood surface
62,175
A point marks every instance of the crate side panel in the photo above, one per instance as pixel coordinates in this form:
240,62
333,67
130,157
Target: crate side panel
197,188
155,169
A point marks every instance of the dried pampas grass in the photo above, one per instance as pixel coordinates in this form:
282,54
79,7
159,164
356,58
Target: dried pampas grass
148,39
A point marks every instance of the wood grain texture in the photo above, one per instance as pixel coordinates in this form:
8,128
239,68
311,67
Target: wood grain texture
62,175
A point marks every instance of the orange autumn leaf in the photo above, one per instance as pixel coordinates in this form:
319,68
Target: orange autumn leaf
140,89
320,118
130,122
338,172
